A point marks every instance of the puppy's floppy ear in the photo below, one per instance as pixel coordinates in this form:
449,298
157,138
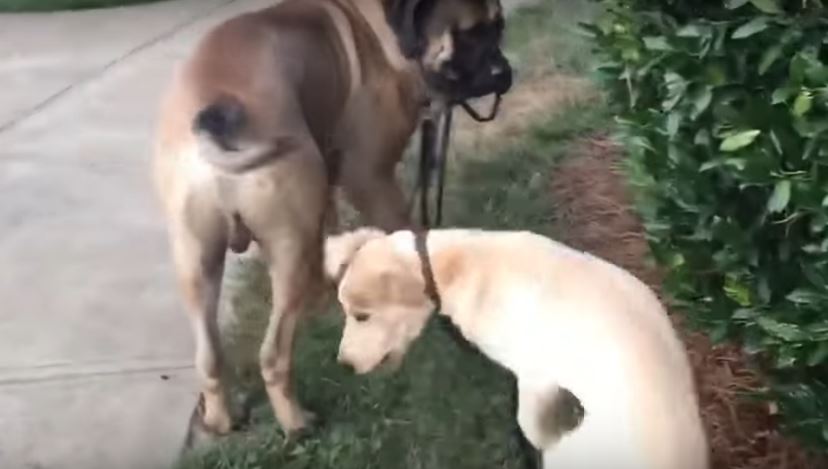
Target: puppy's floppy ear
340,250
406,19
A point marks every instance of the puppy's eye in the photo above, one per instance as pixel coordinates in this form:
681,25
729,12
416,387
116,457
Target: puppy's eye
361,317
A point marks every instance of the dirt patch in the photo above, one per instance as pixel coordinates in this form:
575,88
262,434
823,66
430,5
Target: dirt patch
595,214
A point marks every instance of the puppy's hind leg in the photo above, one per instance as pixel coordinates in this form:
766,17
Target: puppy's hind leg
199,260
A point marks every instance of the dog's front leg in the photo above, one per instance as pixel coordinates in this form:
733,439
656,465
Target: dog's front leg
377,196
373,140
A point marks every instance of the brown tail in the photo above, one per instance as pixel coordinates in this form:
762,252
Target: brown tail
219,128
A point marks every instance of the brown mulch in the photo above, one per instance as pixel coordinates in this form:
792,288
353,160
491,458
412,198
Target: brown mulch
593,204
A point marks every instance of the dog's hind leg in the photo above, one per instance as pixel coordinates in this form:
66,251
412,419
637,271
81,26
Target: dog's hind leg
293,276
199,246
287,219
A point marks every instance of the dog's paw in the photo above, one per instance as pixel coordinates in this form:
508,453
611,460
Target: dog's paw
212,417
205,427
301,426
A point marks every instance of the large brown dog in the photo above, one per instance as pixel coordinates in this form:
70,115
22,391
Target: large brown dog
272,110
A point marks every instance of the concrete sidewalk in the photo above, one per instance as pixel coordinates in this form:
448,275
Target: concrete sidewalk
95,352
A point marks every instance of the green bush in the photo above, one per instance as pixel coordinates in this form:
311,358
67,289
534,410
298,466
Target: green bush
723,107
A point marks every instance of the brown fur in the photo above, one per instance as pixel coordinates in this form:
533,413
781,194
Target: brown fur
328,98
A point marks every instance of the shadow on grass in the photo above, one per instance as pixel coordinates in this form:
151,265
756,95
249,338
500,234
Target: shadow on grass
448,407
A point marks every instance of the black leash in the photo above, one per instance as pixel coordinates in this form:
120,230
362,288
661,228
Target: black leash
435,134
427,271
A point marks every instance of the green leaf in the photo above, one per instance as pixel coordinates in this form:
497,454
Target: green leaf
737,292
756,25
673,123
784,331
719,333
802,104
701,101
767,6
744,314
817,74
769,57
676,87
702,137
786,358
796,69
763,289
657,43
715,74
736,163
676,260
778,201
739,140
782,94
804,296
818,356
734,4
691,30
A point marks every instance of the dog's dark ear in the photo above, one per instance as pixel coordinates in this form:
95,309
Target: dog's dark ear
406,19
340,250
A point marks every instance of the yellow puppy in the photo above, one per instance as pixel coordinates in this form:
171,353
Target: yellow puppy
583,337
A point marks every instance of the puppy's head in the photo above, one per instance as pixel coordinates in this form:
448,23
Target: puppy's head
456,42
383,297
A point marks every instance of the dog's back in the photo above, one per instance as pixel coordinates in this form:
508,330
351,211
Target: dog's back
593,328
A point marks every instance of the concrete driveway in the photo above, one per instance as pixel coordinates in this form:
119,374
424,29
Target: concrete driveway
95,354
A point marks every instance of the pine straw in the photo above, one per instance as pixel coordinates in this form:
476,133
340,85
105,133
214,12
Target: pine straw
595,215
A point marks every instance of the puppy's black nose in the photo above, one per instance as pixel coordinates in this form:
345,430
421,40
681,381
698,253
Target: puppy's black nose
346,364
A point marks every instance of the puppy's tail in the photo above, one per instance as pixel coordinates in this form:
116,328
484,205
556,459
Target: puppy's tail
220,129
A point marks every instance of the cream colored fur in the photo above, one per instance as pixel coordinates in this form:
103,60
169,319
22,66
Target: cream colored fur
555,317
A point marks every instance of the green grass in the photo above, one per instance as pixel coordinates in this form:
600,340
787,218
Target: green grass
56,5
448,407
545,38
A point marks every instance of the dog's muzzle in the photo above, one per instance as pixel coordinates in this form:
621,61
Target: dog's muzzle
462,81
494,78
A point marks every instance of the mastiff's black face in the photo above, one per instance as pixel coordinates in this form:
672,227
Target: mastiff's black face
457,43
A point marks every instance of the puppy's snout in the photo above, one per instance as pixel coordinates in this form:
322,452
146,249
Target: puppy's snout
342,360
